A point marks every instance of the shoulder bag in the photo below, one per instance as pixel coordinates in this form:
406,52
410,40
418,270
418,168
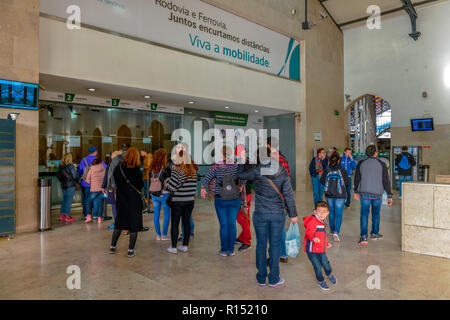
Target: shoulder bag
277,191
77,185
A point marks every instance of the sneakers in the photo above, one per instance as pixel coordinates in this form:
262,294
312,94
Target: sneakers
131,253
111,227
332,279
279,283
324,286
88,218
284,259
165,238
99,220
237,241
363,241
223,254
260,284
62,218
158,238
172,250
183,248
378,236
244,247
336,238
71,219
231,254
112,250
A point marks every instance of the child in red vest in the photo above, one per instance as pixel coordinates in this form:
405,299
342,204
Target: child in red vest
316,243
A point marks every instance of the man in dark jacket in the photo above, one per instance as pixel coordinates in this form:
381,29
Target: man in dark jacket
316,168
371,180
404,162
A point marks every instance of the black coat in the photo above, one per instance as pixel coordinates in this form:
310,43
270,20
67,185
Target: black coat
128,201
67,175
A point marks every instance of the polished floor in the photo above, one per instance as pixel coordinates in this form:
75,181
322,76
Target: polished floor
33,266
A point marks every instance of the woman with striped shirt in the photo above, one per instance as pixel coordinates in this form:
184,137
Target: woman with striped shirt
183,184
227,210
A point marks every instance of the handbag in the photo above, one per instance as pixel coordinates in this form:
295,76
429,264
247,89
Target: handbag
293,240
77,185
169,200
144,205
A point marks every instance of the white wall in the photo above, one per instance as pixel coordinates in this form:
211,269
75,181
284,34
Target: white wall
390,64
96,56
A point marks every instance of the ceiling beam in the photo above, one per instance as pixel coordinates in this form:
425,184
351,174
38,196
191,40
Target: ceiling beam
385,12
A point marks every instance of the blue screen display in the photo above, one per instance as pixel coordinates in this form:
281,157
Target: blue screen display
19,95
422,125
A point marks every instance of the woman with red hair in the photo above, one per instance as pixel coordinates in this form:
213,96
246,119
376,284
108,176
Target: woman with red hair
128,180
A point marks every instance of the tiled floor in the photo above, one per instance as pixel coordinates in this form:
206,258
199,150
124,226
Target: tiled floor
33,266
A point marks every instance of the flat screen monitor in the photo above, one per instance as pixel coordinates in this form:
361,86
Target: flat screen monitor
19,95
422,124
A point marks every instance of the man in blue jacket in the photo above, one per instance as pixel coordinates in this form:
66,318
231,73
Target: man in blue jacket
86,187
316,168
349,165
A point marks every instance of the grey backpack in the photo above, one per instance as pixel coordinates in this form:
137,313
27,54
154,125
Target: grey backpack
228,188
86,170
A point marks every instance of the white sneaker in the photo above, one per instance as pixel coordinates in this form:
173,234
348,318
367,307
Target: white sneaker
165,238
183,248
158,238
279,283
336,237
172,250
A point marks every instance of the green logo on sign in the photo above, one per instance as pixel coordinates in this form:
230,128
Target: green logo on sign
154,106
115,102
69,97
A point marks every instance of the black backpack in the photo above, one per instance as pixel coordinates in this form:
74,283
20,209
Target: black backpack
228,188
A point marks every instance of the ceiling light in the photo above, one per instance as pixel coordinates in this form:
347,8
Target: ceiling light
191,102
256,110
91,89
227,107
147,97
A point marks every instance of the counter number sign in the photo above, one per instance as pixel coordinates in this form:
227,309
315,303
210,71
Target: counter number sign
115,102
154,106
68,97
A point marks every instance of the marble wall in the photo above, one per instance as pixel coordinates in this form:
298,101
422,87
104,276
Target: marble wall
19,61
426,219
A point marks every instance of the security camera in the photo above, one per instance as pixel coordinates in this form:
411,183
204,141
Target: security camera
323,15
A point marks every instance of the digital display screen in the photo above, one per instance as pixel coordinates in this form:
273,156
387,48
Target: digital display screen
422,124
19,95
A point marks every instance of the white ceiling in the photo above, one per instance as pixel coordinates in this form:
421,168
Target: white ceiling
348,10
104,90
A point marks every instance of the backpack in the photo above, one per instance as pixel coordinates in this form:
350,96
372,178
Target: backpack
334,181
155,183
228,189
404,163
86,170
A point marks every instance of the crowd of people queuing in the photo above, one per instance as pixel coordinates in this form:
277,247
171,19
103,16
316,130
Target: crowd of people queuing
170,181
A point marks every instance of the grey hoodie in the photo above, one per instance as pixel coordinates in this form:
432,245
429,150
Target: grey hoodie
372,178
267,200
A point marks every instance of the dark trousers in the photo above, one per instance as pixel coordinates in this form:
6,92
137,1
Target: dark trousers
181,210
319,261
349,192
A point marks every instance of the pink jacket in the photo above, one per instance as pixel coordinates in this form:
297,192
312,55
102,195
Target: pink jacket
95,177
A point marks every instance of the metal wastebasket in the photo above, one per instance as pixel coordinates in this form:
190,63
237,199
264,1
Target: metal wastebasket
426,173
45,194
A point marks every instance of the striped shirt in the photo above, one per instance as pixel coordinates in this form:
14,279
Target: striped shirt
184,189
217,171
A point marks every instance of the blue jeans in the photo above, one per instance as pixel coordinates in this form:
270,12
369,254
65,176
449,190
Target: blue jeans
349,192
365,210
268,228
97,202
317,189
192,227
336,212
402,179
157,203
227,211
87,202
66,204
319,261
146,189
283,252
